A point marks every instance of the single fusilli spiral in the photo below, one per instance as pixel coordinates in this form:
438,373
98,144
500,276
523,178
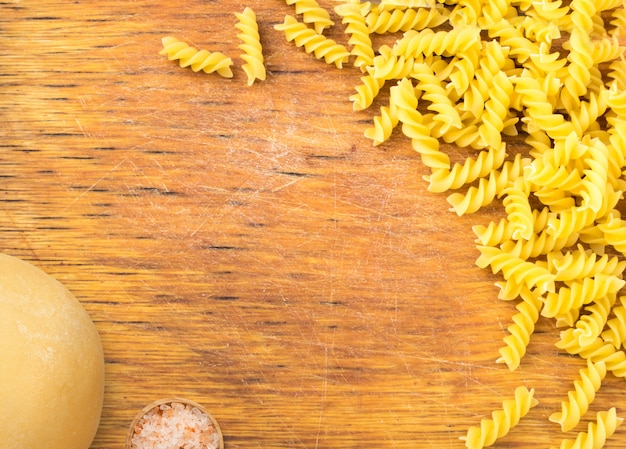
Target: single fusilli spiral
588,113
366,92
580,292
392,67
197,60
518,209
496,233
313,42
444,43
356,28
462,71
537,245
581,263
488,188
496,110
583,394
461,174
605,50
502,421
520,331
253,51
383,125
465,136
578,70
391,21
582,14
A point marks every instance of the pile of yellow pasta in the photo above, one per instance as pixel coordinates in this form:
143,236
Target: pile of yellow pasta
473,73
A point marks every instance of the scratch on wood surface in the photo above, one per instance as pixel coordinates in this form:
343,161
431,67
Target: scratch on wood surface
323,398
93,186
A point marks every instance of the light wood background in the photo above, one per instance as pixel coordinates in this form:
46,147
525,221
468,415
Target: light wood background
247,247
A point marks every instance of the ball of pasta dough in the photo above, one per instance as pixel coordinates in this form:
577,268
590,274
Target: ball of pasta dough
51,363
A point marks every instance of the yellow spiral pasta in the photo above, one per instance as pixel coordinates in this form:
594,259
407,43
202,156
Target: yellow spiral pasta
614,231
583,394
366,92
404,99
537,245
581,263
597,432
312,13
360,42
544,62
497,233
313,42
496,110
462,71
518,209
509,36
549,10
382,21
517,269
502,421
253,51
578,71
593,319
580,292
197,60
615,332
540,110
522,328
472,73
443,179
597,351
492,63
392,67
444,43
588,113
488,188
466,12
383,125
582,15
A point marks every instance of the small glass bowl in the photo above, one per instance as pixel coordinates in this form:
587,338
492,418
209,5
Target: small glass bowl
157,404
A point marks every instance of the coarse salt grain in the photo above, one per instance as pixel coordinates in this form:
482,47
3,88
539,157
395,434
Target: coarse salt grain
175,426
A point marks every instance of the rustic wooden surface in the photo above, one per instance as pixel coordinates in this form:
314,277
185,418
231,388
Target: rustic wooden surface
247,247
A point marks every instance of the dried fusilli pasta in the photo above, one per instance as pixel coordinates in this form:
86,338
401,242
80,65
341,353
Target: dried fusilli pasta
597,432
253,51
313,42
197,60
312,13
583,394
502,421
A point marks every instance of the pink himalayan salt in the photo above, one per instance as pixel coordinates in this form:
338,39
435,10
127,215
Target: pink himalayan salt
175,426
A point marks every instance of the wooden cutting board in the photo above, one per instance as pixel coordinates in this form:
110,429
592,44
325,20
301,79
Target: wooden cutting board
246,246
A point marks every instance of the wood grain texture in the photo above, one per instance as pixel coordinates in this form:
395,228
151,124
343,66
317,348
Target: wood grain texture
247,247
